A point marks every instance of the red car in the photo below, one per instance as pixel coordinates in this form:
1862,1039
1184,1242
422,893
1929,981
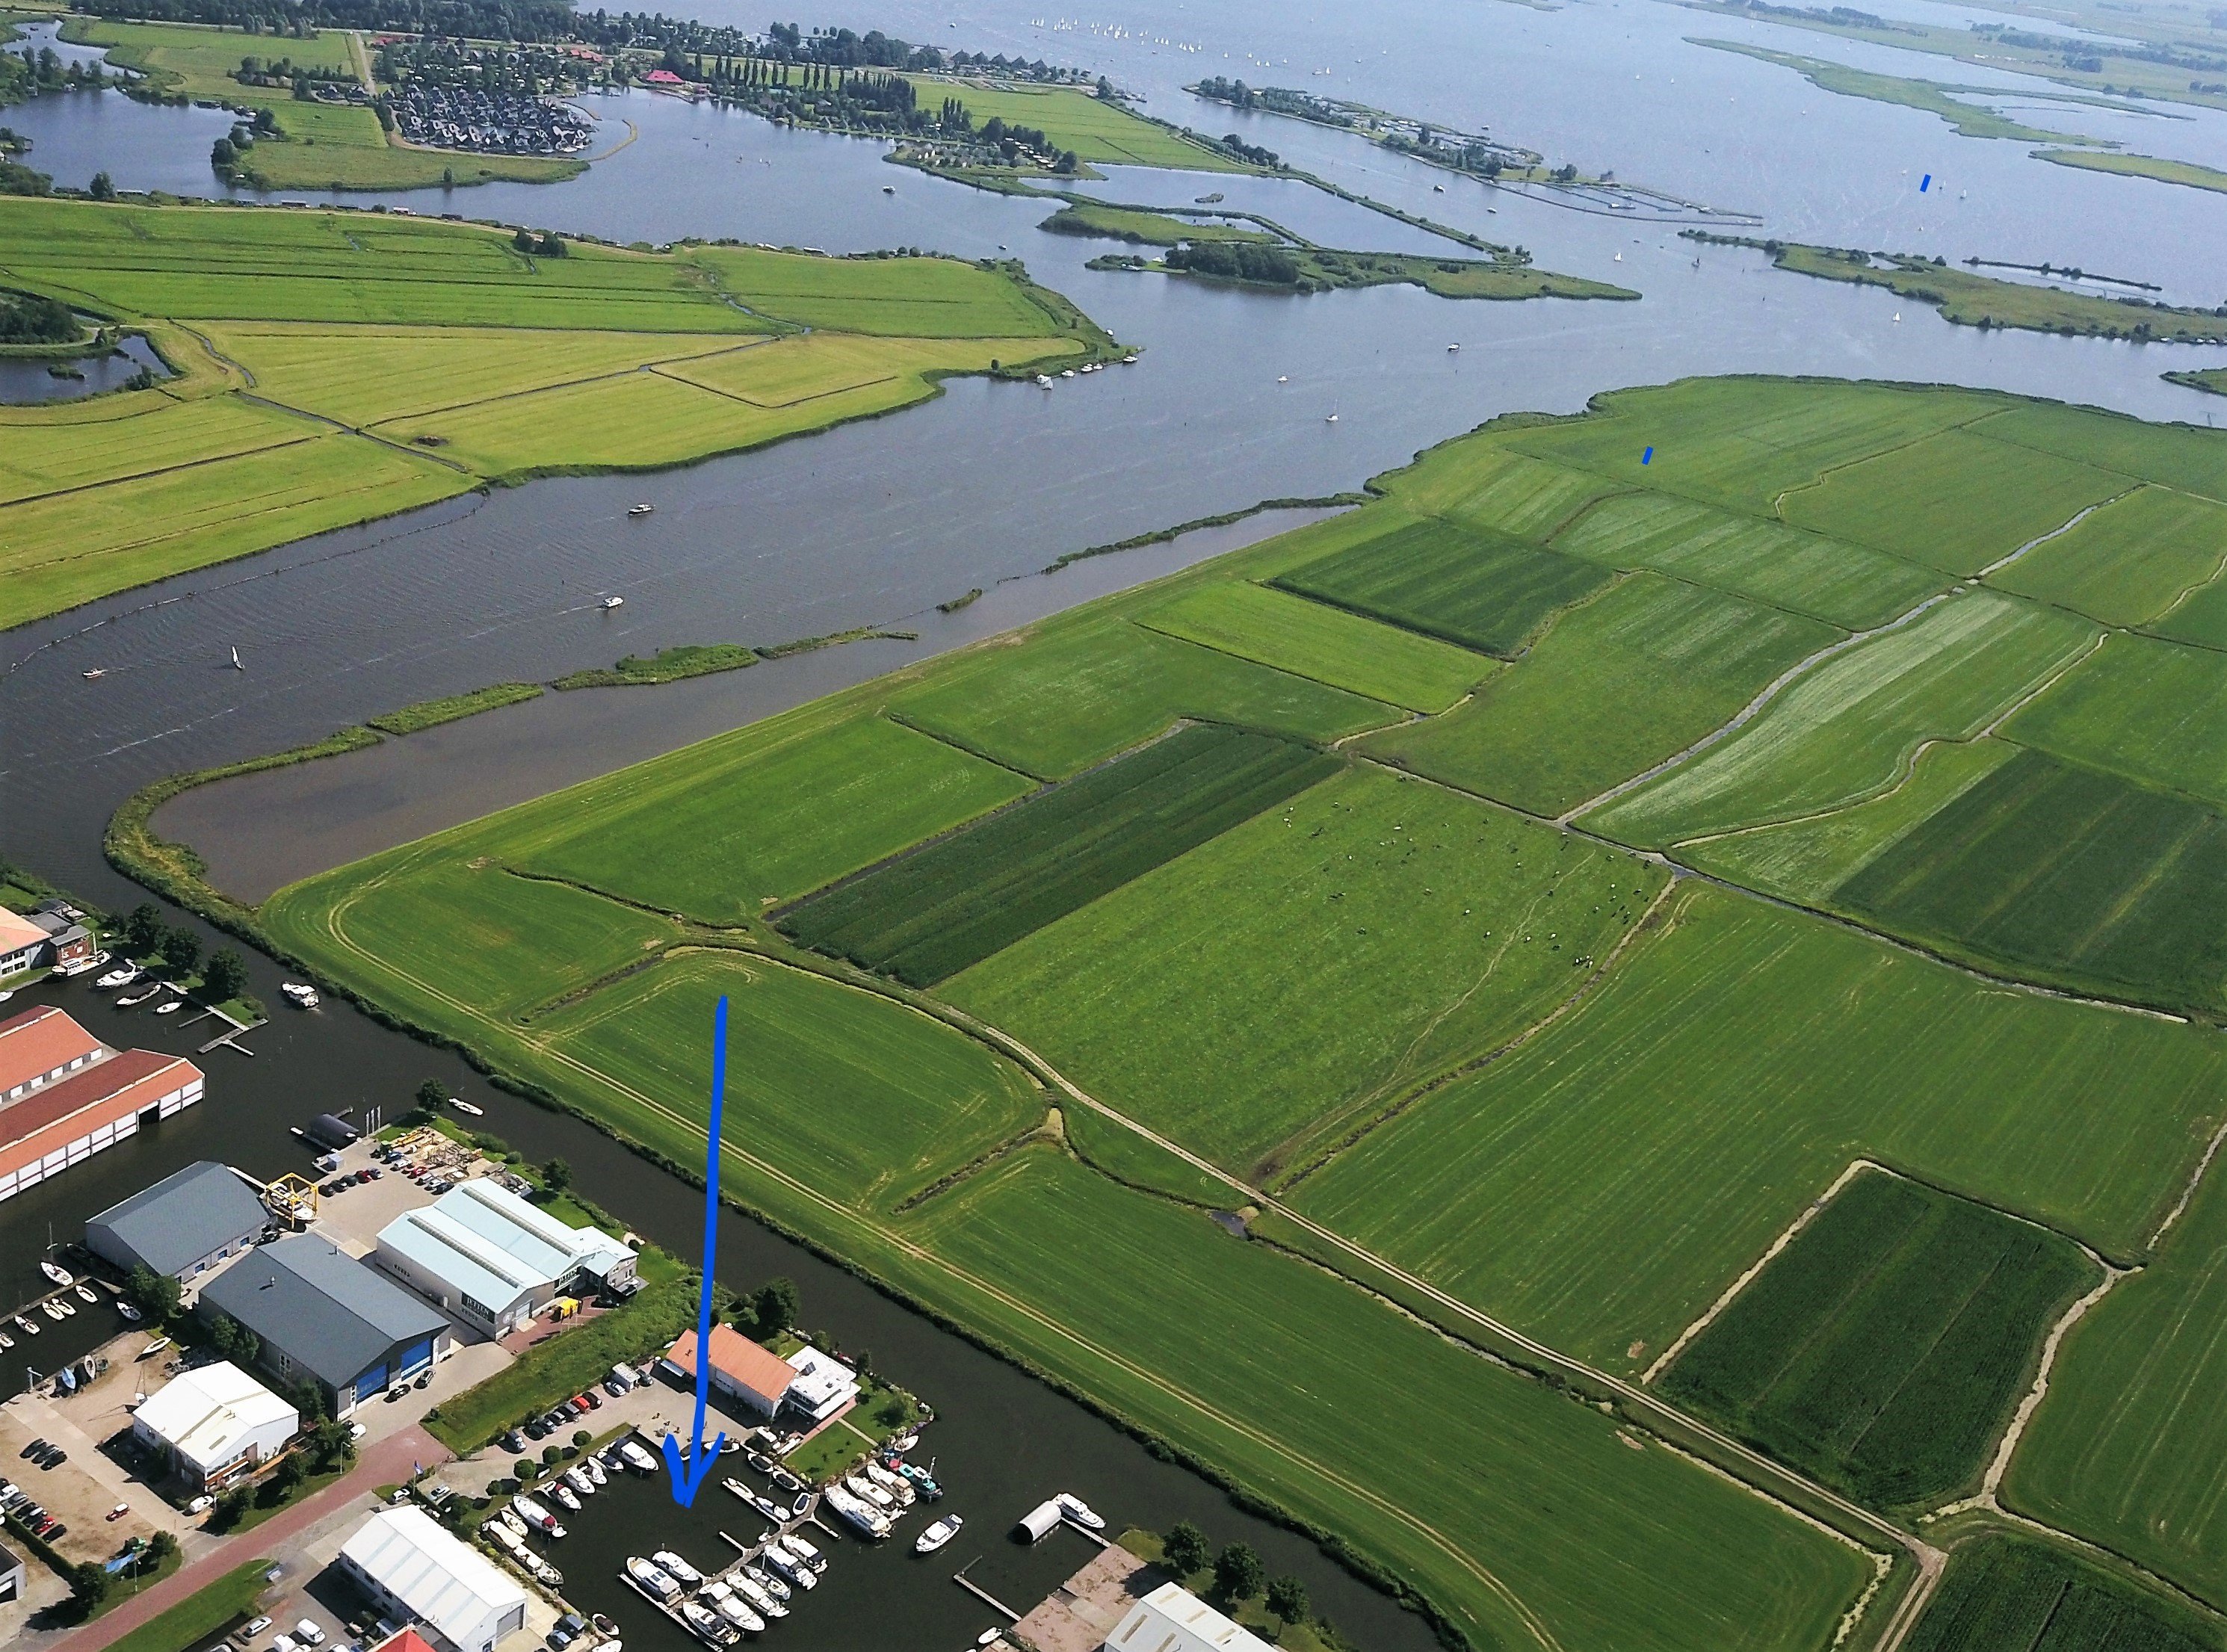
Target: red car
118,1512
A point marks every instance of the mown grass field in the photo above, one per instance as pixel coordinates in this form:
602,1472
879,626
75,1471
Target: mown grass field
1053,701
2066,874
1883,1351
2131,561
722,829
1305,967
1073,119
1143,228
472,360
2126,1450
2153,711
1846,727
1601,1186
2006,1593
1848,585
1631,678
1482,590
1273,628
955,903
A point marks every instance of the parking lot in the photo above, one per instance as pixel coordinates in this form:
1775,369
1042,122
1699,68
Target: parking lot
84,1490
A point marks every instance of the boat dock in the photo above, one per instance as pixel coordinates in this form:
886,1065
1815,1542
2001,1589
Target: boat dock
983,1595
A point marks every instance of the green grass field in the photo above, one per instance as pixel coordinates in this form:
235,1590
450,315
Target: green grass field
2131,561
2148,709
471,360
2126,1450
2006,1592
202,1614
953,903
1075,692
1883,1351
1601,1186
1848,585
1143,228
2058,873
1073,119
1326,644
722,829
1482,589
1303,968
1846,728
2158,169
1966,119
1629,678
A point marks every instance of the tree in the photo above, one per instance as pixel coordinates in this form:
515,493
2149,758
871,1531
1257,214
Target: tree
226,977
331,1442
1185,1549
101,189
291,1472
1287,1599
222,154
142,927
551,1455
432,1095
525,1468
89,1584
581,1439
156,1294
181,950
776,1304
160,1548
1237,1572
556,1176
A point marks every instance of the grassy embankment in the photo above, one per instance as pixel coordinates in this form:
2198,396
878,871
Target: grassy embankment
1972,300
319,145
1966,119
395,362
2187,174
1492,1053
1099,132
234,1595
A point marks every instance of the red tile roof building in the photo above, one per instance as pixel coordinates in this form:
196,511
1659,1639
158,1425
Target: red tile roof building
740,1368
65,1095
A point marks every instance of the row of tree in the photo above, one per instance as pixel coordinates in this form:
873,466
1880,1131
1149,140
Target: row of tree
1237,1572
224,974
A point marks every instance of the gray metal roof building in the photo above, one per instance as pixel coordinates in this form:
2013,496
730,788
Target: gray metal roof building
181,1225
320,1314
11,1574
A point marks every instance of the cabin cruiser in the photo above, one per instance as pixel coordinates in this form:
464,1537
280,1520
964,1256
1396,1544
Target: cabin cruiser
773,1587
802,1550
736,1610
512,1521
790,1567
707,1625
610,603
1079,1511
462,1105
300,994
537,1517
761,1600
867,1492
785,1480
577,1477
639,510
631,1453
649,1577
896,1485
595,1470
687,1575
123,976
565,1499
938,1534
863,1516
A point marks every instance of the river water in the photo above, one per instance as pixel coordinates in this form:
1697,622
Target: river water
873,523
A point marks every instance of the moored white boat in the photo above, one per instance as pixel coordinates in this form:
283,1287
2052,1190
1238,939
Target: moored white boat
565,1499
578,1478
58,1275
687,1575
462,1105
1079,1511
632,1454
707,1625
803,1551
867,1492
131,1315
896,1484
791,1568
651,1578
861,1514
85,1292
760,1600
537,1517
938,1534
776,1590
23,1324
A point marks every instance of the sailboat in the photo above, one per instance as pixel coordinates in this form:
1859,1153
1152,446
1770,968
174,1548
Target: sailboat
236,666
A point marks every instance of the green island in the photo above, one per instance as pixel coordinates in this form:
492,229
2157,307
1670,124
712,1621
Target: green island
2130,50
1967,119
1974,300
1304,268
1347,881
2213,380
2185,173
338,367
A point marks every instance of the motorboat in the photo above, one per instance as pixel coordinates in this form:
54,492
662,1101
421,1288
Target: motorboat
462,1105
759,1461
687,1575
543,1572
785,1480
51,1311
922,1481
603,1625
236,664
6,1341
565,1499
859,1513
1044,381
1128,361
596,1471
639,510
154,1348
631,1453
803,1551
938,1534
25,1326
510,1521
84,1293
68,1309
729,1446
896,1485
537,1517
140,998
610,603
741,1491
734,1608
1079,1511
707,1625
902,1444
1453,349
648,1577
790,1567
514,1541
776,1590
1067,372
171,1008
867,1492
578,1478
116,978
95,674
131,1314
761,1599
300,994
1331,419
60,1275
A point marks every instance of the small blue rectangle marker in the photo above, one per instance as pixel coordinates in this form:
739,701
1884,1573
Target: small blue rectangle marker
1646,456
1925,183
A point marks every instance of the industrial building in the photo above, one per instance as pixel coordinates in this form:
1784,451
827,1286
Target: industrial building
12,1575
182,1226
321,1315
411,1569
740,1369
494,1260
65,1095
214,1424
1173,1619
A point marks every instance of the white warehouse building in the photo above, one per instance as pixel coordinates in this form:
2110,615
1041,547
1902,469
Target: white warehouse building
412,1570
215,1424
494,1259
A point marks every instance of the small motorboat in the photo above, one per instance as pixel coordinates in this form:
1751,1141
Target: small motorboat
543,1572
1128,361
707,1625
785,1480
651,1578
610,603
462,1105
27,1328
58,1275
595,1470
84,1294
565,1499
1453,349
1067,372
729,1446
300,994
1282,377
938,1534
631,1453
734,1608
131,1314
1331,419
6,1341
603,1625
51,1311
580,1481
1079,1511
687,1575
902,1444
155,990
1044,381
236,664
95,674
740,1489
171,1008
116,978
639,510
790,1567
889,189
68,1307
775,1588
511,1522
759,1461
154,1348
759,1600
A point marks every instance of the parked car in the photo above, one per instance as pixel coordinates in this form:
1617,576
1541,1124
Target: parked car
538,1429
286,1643
201,1505
253,1627
309,1633
55,1458
117,1513
514,1440
357,1431
33,1449
55,1533
595,1401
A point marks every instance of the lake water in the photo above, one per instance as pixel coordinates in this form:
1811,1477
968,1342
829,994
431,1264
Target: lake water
29,380
876,522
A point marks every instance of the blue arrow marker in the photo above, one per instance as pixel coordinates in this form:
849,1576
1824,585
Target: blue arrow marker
1647,457
689,1463
1923,182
